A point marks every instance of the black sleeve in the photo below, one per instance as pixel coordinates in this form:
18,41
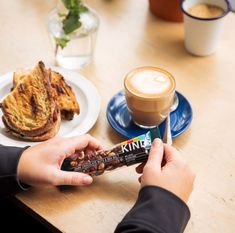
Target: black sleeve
155,211
9,158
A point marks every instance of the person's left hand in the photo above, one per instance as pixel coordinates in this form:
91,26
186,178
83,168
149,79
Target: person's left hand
40,164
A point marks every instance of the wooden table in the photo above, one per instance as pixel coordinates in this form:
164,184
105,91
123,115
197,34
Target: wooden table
130,36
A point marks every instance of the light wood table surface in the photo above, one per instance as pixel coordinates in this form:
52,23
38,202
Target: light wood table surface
129,36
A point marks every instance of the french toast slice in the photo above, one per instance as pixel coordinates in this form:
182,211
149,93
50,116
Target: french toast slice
30,109
63,93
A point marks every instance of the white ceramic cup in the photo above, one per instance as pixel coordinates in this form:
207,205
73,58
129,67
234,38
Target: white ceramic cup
202,34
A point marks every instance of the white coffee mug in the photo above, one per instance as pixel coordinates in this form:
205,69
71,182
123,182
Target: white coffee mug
202,34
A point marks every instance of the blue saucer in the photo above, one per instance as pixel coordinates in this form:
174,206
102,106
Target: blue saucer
120,119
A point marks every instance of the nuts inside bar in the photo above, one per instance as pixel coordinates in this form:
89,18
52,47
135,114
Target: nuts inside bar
126,153
97,163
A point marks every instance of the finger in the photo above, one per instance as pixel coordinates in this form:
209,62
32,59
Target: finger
72,178
163,161
88,151
85,141
70,145
155,154
77,154
139,168
170,154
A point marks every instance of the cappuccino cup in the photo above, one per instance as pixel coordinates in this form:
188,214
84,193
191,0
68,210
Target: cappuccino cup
149,93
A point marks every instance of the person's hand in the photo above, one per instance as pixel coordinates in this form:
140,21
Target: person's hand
40,164
175,175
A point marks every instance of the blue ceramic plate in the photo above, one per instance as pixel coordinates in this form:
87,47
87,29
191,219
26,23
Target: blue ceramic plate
120,119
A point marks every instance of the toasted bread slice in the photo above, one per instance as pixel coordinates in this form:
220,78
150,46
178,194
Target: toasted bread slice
30,109
19,75
64,94
47,135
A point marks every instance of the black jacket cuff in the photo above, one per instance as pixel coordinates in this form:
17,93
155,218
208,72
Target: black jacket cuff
9,159
155,211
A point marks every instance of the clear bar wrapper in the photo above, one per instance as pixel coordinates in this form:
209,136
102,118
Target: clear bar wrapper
132,151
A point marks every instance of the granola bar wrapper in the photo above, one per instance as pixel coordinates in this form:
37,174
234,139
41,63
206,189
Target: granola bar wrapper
127,153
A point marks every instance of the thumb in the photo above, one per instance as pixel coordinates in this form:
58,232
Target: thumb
72,178
155,154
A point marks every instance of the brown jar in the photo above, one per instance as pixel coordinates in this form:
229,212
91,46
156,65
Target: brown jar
167,9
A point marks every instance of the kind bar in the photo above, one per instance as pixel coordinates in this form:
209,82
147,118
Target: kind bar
127,153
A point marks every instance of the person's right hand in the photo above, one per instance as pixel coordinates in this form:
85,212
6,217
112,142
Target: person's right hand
175,175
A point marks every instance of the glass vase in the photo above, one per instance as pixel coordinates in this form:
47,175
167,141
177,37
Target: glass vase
80,44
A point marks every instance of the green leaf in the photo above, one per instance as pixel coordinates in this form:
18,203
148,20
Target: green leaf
61,14
82,9
71,4
61,41
71,23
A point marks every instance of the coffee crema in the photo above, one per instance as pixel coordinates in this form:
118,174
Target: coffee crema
205,11
149,82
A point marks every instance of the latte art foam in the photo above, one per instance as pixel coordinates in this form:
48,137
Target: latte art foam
149,82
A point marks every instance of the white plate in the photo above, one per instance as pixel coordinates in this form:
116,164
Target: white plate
86,94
